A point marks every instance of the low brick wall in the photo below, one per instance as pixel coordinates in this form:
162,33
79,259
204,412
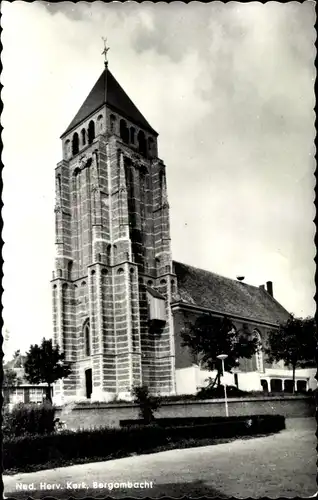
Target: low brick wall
108,415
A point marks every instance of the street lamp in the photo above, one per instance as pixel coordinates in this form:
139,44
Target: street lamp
222,357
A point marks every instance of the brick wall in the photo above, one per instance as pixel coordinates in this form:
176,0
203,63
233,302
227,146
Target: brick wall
183,357
109,415
113,239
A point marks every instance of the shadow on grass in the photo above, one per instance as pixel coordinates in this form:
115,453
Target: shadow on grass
194,489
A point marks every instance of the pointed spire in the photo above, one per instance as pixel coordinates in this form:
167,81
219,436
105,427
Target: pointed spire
113,95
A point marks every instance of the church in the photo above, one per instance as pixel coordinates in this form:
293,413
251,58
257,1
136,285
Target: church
119,299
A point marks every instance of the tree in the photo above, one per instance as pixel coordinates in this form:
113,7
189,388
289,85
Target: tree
147,403
210,336
46,364
17,359
294,342
10,378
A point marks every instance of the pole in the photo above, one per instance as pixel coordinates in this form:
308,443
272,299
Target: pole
225,394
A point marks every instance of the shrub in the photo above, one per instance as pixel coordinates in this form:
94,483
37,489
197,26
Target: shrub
183,421
218,427
147,403
28,419
72,445
218,392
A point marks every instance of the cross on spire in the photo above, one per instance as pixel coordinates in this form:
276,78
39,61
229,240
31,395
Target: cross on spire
106,49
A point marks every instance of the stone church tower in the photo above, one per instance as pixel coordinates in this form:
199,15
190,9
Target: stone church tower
113,281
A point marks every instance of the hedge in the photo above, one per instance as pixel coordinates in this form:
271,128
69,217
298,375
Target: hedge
107,443
28,419
181,421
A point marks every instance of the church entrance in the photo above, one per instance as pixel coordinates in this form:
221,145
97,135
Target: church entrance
88,382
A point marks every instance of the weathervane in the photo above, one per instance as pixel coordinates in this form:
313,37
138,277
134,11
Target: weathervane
106,49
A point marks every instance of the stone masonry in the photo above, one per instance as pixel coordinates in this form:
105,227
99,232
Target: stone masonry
112,248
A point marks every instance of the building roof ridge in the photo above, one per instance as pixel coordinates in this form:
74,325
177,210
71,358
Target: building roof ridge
219,275
206,289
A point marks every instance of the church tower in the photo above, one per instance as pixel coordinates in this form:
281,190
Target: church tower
113,280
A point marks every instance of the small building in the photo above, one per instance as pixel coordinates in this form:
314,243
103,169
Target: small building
23,392
255,308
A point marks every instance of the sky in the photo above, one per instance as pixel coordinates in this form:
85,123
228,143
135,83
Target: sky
230,89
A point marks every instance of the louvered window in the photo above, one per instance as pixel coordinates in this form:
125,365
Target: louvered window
156,305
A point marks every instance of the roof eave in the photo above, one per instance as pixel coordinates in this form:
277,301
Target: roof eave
186,305
70,129
276,301
120,112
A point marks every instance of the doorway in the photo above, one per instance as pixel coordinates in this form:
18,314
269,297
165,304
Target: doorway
88,382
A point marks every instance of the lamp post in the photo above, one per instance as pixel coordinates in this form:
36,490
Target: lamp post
222,357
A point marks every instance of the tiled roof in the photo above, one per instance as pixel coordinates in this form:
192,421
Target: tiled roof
231,297
116,98
16,363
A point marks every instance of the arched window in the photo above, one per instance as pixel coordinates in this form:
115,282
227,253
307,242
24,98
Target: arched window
67,148
132,135
83,134
69,269
87,338
124,131
115,251
108,254
112,123
100,124
157,264
161,175
142,145
264,385
75,144
151,147
259,353
143,189
91,132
